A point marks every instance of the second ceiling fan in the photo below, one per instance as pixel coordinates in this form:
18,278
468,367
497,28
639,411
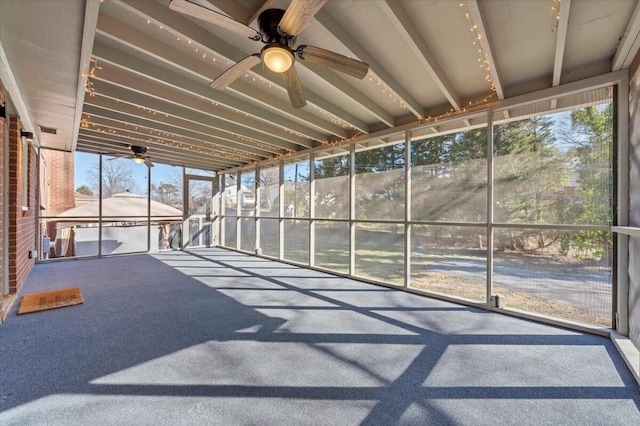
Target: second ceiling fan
277,30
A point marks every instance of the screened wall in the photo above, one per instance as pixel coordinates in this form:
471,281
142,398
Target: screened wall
97,205
516,201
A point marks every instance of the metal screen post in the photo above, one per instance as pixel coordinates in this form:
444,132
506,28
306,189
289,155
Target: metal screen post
281,209
407,208
312,209
621,131
256,213
149,209
238,210
352,209
100,159
489,204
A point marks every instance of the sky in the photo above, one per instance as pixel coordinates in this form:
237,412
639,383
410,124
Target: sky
160,173
84,163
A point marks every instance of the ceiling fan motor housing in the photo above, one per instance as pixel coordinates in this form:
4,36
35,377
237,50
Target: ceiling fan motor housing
139,150
268,22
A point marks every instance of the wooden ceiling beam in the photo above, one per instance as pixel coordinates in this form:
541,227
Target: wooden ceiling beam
104,107
123,138
91,14
150,83
348,90
159,81
103,141
183,27
561,40
236,10
145,106
630,43
109,147
478,18
330,23
217,138
117,32
404,25
477,15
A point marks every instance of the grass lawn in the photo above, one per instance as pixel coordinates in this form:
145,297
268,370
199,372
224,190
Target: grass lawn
380,256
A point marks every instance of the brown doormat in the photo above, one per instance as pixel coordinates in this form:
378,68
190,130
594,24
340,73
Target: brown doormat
35,302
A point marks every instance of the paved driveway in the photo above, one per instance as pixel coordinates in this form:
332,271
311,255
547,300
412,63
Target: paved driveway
588,289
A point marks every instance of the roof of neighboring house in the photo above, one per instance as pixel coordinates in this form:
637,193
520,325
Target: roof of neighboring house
122,207
81,198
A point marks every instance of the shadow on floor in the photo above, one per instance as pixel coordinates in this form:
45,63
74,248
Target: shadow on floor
194,338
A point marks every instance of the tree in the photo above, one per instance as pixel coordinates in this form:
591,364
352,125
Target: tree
170,188
116,177
166,193
529,171
449,183
449,177
268,180
332,167
591,139
296,189
85,190
380,182
200,197
332,187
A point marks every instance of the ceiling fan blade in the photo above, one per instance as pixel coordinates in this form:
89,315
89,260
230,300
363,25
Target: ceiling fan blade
148,162
334,60
231,74
297,15
294,88
224,21
119,156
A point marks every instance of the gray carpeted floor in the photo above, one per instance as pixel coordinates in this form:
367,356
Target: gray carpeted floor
219,338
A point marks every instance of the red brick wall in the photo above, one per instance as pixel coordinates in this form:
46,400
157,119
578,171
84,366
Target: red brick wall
22,226
57,192
60,176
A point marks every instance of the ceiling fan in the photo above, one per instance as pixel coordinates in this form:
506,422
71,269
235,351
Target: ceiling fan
138,155
278,28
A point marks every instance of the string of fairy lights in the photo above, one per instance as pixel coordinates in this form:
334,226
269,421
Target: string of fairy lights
173,139
90,89
555,8
160,138
483,57
484,63
85,123
206,53
393,96
88,85
215,57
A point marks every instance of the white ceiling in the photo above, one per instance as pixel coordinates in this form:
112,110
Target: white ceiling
151,83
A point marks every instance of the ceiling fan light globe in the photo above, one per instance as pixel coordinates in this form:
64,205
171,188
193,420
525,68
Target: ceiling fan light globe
138,160
277,59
